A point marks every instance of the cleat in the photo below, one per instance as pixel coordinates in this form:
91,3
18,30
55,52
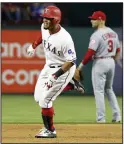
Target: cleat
116,121
45,133
41,131
101,121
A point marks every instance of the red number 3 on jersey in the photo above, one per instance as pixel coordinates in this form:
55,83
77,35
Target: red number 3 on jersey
110,44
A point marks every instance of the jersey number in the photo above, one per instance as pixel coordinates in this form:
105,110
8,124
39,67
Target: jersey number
110,44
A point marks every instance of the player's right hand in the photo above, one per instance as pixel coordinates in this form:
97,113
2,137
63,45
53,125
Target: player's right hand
51,81
30,51
78,75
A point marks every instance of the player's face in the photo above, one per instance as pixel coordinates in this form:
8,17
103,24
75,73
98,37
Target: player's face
47,23
94,23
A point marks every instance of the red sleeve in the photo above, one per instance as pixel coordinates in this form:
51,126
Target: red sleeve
88,56
118,50
37,41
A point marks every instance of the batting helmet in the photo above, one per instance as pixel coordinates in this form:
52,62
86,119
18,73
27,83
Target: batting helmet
52,12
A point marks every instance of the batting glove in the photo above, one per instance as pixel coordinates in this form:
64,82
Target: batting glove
51,81
30,51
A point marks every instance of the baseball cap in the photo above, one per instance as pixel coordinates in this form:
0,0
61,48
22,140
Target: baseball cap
98,15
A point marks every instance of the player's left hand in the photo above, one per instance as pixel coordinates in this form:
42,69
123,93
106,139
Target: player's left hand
51,81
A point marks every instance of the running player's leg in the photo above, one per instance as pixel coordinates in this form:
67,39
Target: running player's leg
110,93
46,113
39,88
48,96
98,81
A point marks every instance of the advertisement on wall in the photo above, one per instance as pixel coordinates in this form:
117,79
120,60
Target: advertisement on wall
19,71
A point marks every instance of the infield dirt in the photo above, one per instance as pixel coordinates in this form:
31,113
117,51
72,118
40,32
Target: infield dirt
66,133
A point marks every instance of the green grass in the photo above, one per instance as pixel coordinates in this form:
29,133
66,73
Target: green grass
68,109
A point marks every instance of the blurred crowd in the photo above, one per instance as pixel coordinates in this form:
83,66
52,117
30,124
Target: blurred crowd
73,14
22,12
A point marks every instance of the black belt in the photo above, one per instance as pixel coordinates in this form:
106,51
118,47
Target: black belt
103,57
54,66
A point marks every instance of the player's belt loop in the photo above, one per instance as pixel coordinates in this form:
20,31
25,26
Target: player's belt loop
54,66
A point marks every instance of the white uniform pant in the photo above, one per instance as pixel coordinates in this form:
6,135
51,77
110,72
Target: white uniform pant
102,80
46,97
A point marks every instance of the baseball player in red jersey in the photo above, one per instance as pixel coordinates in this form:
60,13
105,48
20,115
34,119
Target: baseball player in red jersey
105,49
59,68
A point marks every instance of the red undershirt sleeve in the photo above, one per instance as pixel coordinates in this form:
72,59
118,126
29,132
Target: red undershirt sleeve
88,56
37,41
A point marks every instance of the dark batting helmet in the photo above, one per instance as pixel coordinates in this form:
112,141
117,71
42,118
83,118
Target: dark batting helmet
52,12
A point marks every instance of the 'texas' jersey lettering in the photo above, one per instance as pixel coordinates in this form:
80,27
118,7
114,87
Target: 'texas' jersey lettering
50,48
57,49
